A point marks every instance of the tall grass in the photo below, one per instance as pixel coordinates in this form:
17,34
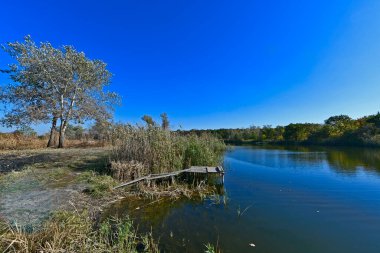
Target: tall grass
75,232
141,150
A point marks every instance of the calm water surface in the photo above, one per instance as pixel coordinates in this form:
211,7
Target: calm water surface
295,200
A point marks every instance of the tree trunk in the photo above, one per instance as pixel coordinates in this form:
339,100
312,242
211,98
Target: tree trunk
62,131
51,142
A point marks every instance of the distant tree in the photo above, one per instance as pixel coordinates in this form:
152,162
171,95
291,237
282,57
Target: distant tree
300,132
340,124
148,120
279,133
101,130
52,84
268,133
74,132
369,134
26,131
254,133
374,119
338,120
165,124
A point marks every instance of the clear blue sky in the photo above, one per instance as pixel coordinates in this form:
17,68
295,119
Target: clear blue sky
212,64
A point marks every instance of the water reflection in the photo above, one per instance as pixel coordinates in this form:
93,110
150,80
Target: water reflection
341,159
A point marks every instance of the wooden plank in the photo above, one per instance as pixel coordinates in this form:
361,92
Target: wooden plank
198,169
206,169
218,169
131,182
192,169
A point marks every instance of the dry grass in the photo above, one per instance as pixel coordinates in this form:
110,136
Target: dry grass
124,171
15,141
76,232
19,142
175,191
139,151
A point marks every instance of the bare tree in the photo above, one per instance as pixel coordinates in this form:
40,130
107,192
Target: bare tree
165,124
53,84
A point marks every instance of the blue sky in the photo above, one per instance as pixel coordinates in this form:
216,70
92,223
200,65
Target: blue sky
213,64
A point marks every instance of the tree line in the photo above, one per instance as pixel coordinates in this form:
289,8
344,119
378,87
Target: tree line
336,130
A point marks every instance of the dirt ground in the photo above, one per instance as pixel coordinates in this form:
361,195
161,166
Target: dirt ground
76,158
34,183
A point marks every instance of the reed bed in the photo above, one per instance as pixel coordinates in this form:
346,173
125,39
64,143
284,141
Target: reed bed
139,151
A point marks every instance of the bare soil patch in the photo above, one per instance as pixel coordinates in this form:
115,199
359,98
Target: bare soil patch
34,183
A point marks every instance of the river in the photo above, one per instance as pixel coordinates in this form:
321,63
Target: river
280,199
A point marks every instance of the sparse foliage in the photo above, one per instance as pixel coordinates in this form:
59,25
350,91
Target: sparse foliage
51,84
165,124
148,120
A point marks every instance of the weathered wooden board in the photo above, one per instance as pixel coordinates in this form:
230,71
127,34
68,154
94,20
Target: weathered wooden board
205,169
192,169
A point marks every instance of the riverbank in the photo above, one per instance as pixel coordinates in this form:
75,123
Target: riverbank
38,185
50,198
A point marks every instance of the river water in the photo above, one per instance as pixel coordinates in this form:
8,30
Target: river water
279,199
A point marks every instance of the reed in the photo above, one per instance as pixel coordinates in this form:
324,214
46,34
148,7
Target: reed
139,151
76,232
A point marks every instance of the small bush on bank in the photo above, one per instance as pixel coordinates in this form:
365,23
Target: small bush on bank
156,150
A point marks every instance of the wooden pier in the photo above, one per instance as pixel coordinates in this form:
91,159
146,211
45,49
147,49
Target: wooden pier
193,169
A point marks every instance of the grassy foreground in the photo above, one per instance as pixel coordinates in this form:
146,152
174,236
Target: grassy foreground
76,232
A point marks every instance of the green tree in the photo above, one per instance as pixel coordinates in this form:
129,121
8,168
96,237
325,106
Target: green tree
374,119
340,124
300,132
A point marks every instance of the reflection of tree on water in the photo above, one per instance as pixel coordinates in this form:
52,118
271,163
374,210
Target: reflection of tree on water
348,160
340,159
